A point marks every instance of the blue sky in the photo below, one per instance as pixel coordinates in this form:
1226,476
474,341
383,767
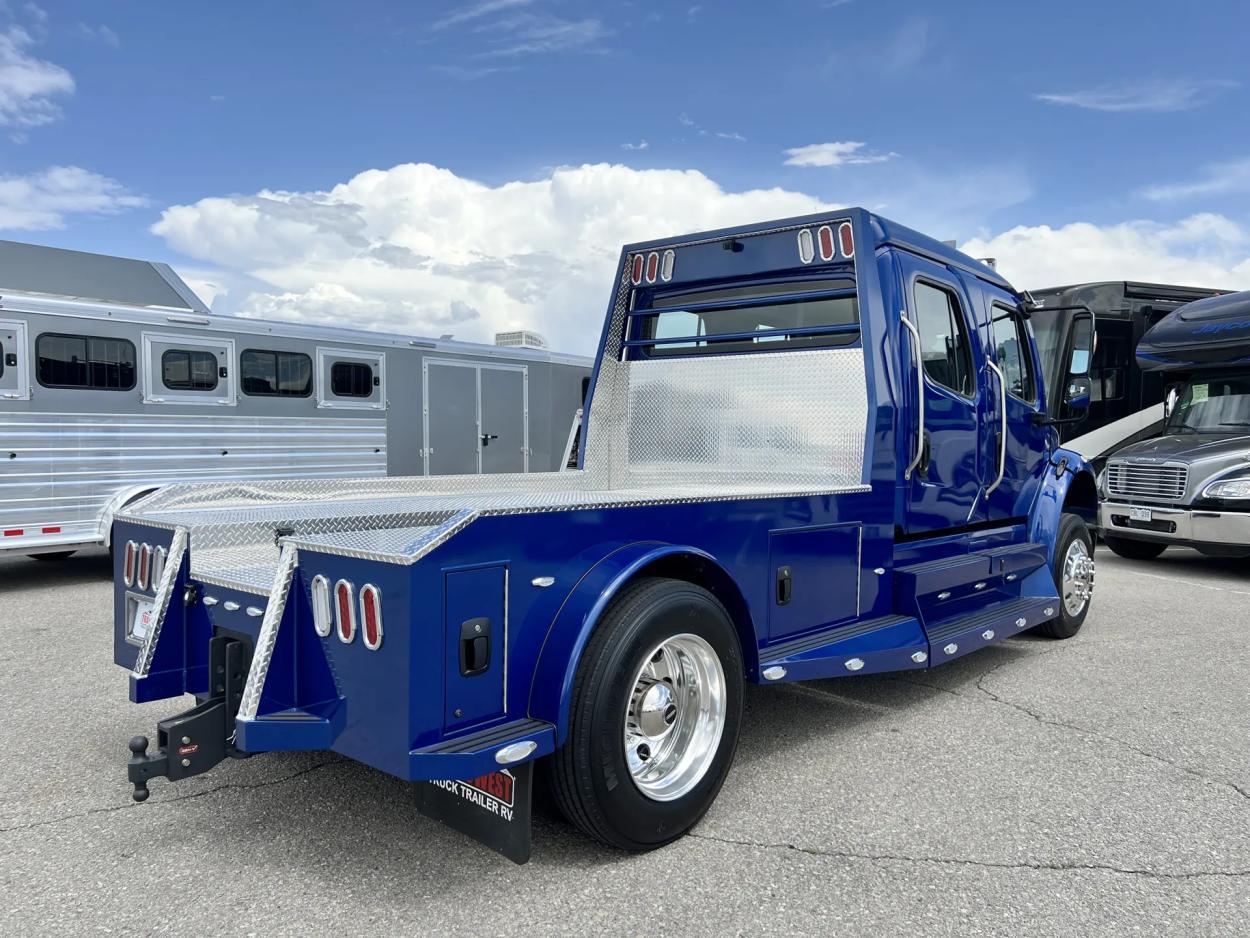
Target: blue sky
1108,136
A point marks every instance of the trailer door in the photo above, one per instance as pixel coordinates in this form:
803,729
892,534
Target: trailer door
943,491
14,383
449,412
504,435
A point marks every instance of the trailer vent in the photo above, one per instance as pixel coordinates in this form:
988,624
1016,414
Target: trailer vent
322,616
1161,482
128,564
344,611
371,616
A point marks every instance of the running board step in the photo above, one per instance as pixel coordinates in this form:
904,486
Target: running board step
890,643
947,574
487,750
957,636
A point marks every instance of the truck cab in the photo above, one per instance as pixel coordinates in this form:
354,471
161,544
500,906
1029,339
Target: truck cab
1191,485
814,447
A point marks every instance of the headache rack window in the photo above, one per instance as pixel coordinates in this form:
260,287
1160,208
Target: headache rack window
761,318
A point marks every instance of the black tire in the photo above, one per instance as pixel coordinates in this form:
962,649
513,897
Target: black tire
1066,624
589,776
1133,549
53,556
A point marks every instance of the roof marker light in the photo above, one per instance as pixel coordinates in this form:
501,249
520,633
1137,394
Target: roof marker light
128,564
825,236
345,611
371,616
846,239
635,270
666,265
807,249
321,606
145,560
653,266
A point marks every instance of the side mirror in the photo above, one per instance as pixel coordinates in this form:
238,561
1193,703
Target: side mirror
1077,394
1169,402
1082,345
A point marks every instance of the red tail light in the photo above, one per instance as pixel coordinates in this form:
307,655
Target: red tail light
371,616
825,237
345,611
653,266
128,564
635,274
847,238
145,559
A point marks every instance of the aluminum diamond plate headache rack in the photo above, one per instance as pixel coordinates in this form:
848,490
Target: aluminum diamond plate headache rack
775,483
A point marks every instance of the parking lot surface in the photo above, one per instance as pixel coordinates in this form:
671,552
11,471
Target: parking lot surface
1099,786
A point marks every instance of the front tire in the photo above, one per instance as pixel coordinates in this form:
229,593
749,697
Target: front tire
1134,550
1073,571
654,716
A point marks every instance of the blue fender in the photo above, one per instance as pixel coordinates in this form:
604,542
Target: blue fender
566,640
1064,469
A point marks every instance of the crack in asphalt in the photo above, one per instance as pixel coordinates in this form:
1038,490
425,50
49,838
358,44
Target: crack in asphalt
1146,753
1036,865
227,786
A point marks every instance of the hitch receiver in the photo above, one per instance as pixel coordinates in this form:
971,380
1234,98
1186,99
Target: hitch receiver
193,742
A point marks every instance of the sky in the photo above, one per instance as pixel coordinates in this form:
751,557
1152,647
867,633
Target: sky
463,168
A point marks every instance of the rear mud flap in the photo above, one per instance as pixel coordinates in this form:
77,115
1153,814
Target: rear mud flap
493,809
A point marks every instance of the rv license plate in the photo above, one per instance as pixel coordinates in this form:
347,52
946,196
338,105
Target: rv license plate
144,614
1139,514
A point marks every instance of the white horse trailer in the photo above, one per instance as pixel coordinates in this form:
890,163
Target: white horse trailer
115,379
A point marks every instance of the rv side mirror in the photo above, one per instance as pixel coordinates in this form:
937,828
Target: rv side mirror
1169,402
1078,393
1082,345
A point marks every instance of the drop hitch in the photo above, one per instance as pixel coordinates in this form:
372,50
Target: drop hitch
193,742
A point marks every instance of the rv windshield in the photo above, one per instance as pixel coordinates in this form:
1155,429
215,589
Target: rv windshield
1212,405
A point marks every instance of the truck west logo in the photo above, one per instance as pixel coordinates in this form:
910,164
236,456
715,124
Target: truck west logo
494,792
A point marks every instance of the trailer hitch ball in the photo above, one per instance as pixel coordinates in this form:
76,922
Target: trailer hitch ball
139,755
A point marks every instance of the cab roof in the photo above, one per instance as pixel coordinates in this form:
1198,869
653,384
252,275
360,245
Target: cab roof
883,231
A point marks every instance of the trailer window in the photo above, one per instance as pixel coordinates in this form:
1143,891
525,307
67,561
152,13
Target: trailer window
1011,349
945,349
87,362
275,374
351,379
765,317
188,370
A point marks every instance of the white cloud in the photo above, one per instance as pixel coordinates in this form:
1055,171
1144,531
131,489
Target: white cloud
420,250
1216,179
640,145
478,10
1158,96
731,135
28,85
1201,250
536,34
43,200
843,153
104,34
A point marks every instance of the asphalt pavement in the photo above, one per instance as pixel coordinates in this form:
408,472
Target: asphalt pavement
1098,786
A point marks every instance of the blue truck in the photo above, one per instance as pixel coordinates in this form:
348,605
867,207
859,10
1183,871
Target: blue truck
813,448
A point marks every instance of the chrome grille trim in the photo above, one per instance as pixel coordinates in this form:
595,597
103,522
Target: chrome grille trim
1163,482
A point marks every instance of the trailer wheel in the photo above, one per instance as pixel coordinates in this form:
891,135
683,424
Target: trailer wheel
53,556
654,716
1074,577
1134,550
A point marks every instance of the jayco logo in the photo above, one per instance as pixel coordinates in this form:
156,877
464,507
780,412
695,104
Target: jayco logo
1215,327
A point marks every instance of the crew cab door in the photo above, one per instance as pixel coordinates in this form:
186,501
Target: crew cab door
943,489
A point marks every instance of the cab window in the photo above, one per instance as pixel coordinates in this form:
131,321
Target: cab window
944,346
1011,350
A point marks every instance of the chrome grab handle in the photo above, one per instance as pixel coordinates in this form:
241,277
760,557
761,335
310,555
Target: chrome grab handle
915,338
1002,434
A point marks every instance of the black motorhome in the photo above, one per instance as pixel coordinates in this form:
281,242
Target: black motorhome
1190,486
1127,403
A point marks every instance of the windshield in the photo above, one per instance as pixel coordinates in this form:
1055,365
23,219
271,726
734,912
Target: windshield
1212,405
1048,334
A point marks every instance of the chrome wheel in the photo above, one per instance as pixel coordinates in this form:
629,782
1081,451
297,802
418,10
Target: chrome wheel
1078,577
674,717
